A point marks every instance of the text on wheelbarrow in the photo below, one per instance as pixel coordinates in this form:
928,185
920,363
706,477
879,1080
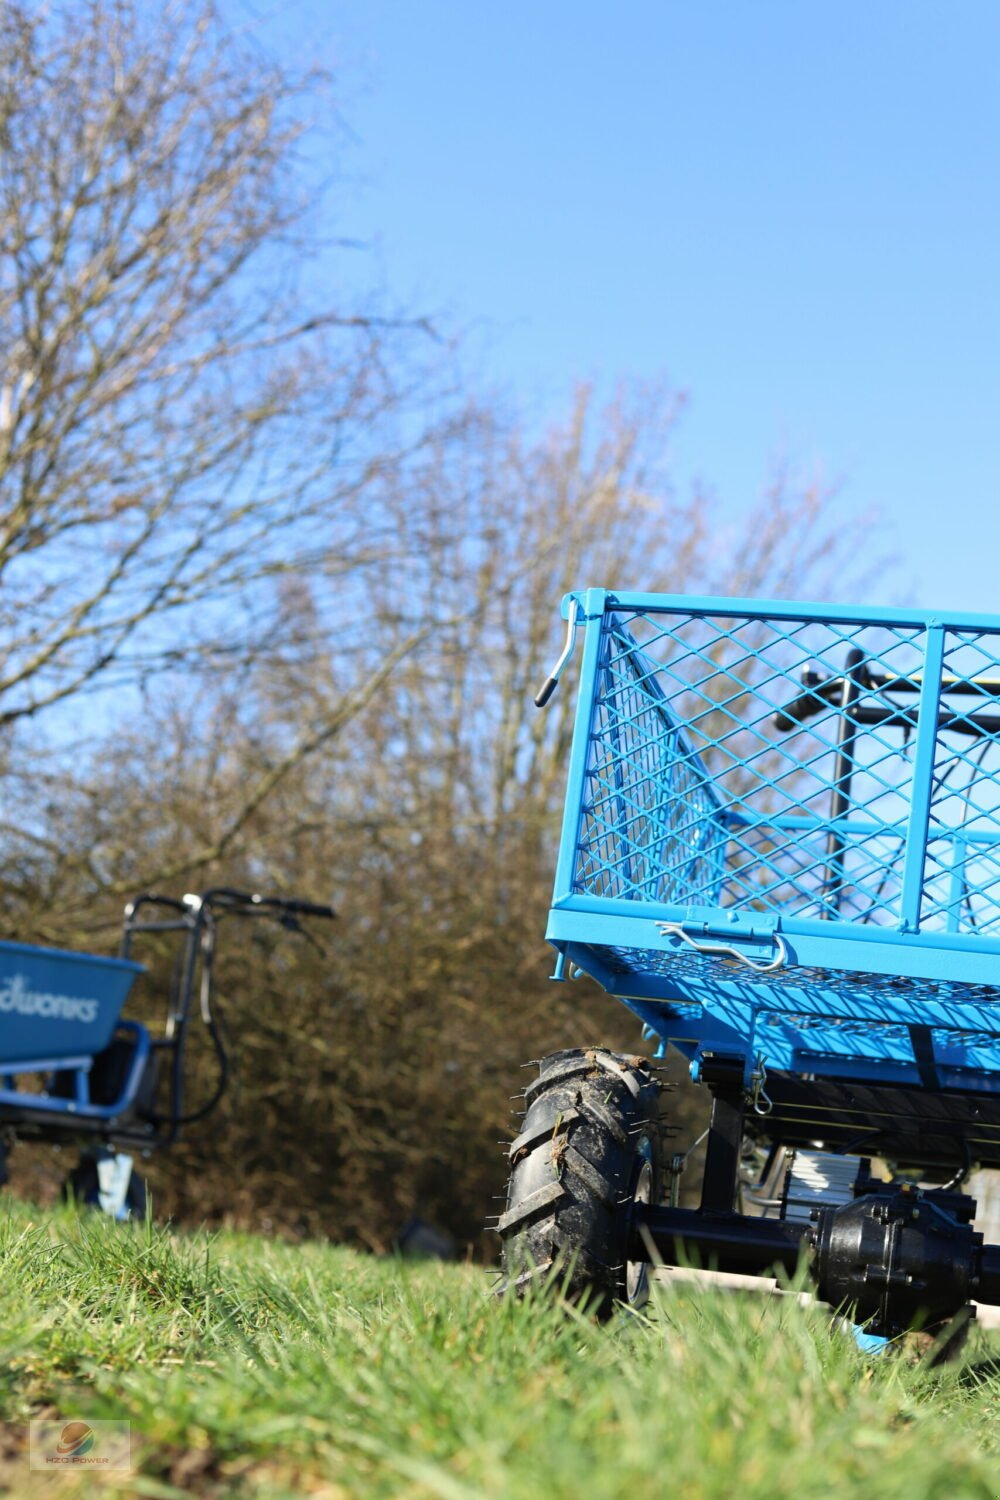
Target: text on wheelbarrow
16,994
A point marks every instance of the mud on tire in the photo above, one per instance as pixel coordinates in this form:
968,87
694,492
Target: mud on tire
589,1145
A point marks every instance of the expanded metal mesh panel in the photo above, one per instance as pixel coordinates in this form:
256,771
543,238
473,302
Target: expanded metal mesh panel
683,967
652,823
961,889
768,765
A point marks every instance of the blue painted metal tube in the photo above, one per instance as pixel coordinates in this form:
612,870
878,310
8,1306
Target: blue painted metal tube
28,1104
797,994
923,776
781,609
956,885
46,1065
813,941
592,611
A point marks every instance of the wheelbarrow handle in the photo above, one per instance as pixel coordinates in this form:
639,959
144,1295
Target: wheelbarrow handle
817,696
254,901
307,909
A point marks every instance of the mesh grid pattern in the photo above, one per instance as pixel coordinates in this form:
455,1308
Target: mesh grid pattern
962,875
685,967
768,765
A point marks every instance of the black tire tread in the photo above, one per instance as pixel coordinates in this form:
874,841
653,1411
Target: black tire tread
573,1168
529,1139
532,1206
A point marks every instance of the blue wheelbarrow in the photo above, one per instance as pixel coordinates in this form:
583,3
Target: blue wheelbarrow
73,1069
781,850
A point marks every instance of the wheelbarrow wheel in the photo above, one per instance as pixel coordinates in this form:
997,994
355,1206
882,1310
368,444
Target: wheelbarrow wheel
589,1149
83,1186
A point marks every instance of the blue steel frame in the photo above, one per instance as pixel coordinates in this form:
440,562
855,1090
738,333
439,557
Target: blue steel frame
844,1001
80,1107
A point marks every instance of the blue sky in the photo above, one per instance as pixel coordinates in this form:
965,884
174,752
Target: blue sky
792,210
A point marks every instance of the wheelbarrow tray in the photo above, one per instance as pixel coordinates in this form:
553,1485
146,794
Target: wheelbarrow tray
56,1005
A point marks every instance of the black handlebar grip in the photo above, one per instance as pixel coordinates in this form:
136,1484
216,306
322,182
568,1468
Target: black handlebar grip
807,705
796,712
545,692
309,909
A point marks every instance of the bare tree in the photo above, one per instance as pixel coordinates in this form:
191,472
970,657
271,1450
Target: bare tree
202,473
382,1070
177,422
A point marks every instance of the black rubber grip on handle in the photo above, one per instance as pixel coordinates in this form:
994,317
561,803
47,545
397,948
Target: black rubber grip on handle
308,909
545,692
807,705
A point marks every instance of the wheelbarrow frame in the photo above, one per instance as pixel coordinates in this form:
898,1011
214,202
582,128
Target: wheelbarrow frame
63,1108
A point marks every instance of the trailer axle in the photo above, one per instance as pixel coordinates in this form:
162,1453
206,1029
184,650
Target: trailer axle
894,1258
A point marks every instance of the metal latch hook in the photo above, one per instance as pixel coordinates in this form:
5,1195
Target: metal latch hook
709,945
549,686
762,1101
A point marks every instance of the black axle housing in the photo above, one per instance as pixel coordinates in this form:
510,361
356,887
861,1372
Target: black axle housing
892,1259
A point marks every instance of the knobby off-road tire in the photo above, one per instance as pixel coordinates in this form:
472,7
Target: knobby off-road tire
588,1149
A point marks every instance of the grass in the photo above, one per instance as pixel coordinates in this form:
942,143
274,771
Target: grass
254,1367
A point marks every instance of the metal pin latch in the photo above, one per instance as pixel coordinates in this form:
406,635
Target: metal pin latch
726,949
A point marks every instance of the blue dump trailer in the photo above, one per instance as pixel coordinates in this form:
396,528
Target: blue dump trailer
73,1069
781,850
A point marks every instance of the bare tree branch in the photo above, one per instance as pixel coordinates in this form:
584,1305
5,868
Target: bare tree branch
175,423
